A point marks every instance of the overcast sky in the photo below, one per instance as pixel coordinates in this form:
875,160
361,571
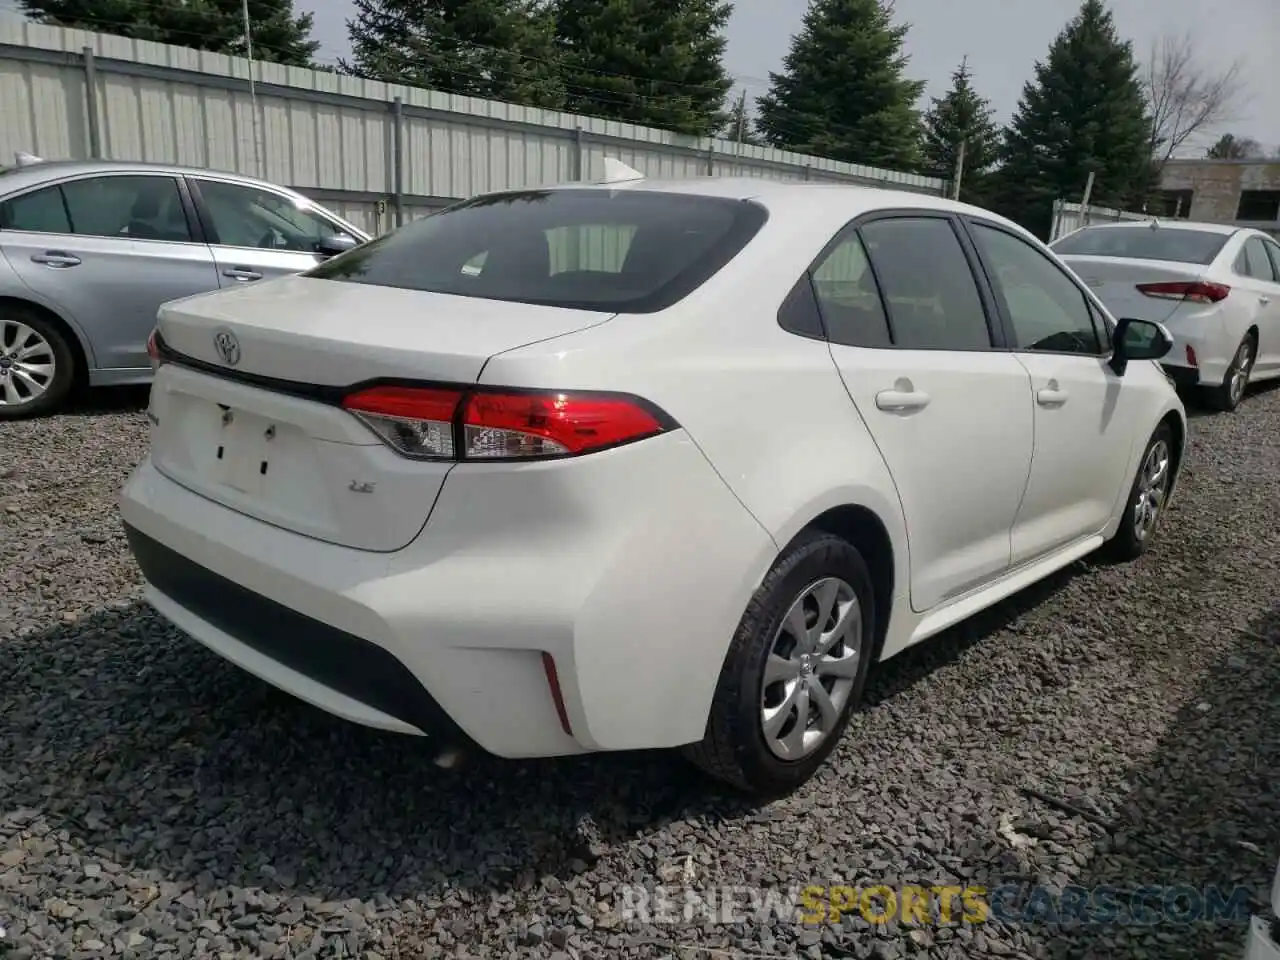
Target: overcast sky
1002,39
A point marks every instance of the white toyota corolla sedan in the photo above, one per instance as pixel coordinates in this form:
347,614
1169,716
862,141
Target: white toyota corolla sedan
640,464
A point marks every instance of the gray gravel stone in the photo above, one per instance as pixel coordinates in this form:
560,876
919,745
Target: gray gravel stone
158,802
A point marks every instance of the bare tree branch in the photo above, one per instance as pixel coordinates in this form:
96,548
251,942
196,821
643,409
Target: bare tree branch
1185,97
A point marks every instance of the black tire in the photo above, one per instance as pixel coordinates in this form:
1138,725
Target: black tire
1128,542
734,748
64,371
1223,397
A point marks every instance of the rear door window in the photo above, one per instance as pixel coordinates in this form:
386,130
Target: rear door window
624,251
1254,262
927,284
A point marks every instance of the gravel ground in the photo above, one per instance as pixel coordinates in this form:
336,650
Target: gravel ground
156,801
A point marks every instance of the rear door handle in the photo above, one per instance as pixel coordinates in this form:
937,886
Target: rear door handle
1051,397
242,274
902,401
1264,300
55,258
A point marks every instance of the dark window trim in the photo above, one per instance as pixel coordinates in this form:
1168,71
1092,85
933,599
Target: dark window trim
1091,305
995,332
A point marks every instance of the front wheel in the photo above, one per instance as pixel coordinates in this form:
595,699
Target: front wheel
1147,498
795,669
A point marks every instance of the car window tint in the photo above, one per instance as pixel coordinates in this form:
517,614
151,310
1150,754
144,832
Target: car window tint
244,216
139,208
927,283
848,297
1047,309
41,211
1254,262
799,311
629,251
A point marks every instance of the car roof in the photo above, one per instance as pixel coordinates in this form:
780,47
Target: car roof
1170,224
819,196
34,174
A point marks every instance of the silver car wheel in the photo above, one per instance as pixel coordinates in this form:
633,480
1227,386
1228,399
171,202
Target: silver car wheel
27,364
1153,490
1240,371
811,669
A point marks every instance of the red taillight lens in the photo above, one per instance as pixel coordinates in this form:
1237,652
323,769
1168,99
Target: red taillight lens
415,422
500,425
1196,292
423,422
153,351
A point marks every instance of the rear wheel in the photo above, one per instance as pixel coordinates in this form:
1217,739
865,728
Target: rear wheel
37,368
795,669
1228,395
1147,498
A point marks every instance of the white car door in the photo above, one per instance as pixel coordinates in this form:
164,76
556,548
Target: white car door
1086,422
950,413
1258,277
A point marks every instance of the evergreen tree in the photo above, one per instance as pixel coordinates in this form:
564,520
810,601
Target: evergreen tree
496,49
1084,113
961,115
279,35
842,93
658,63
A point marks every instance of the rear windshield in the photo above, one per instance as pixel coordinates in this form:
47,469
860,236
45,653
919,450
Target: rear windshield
624,251
1143,243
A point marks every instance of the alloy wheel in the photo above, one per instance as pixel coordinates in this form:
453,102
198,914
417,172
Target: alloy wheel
1153,490
27,364
1240,370
813,663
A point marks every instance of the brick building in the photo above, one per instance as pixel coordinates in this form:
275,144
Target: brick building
1244,192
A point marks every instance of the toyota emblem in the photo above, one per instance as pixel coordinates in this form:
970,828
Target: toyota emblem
228,347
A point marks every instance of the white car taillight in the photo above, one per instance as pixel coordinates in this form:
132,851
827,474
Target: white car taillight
447,423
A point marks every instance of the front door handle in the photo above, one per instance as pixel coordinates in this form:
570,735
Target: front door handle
902,401
242,274
1051,396
55,258
1264,300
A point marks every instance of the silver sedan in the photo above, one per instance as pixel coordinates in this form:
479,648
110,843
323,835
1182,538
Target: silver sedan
89,250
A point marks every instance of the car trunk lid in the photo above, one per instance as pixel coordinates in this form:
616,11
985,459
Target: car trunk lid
1115,281
247,415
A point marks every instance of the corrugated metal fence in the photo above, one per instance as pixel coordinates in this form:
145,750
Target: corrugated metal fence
377,153
1070,217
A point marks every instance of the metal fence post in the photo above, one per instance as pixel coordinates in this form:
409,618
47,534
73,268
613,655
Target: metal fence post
579,160
711,157
91,103
397,158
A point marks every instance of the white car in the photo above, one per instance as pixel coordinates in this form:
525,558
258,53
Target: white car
640,465
1216,288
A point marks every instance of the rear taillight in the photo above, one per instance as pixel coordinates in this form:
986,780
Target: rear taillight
153,351
1197,292
432,423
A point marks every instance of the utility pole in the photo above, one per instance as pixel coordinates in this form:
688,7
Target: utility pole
742,115
1084,203
955,188
964,140
253,92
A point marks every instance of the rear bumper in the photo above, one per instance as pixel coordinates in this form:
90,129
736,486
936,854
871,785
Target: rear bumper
631,568
1211,348
1262,943
1182,377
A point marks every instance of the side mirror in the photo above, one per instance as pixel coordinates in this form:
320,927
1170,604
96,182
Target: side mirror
336,244
1138,340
